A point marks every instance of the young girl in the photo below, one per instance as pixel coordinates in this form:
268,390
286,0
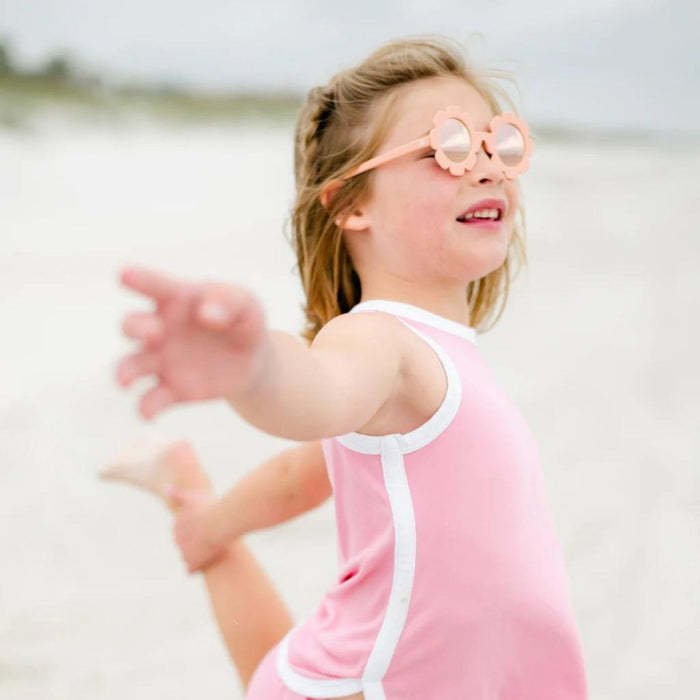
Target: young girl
452,582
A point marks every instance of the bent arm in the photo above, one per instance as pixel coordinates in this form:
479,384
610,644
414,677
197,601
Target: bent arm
331,388
288,484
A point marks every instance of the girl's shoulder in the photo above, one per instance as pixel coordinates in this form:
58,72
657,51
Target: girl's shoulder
378,328
368,328
422,383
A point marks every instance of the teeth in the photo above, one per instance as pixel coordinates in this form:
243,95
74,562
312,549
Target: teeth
482,214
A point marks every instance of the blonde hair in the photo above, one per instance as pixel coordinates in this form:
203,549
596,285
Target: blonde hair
340,125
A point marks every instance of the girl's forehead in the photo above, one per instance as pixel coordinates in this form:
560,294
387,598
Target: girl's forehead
416,109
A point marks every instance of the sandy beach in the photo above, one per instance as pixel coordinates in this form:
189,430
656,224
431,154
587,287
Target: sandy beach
598,346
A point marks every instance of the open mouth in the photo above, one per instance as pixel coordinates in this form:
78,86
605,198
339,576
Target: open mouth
488,220
486,211
471,219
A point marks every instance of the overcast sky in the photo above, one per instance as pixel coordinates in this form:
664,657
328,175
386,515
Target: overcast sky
597,63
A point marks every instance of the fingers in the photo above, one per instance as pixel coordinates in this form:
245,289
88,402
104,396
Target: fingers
155,284
146,327
156,400
141,364
136,365
215,313
220,304
229,308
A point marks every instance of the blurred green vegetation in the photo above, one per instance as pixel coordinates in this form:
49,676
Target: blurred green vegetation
60,86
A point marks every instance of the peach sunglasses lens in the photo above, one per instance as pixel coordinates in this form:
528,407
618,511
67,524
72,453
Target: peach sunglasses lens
455,140
510,144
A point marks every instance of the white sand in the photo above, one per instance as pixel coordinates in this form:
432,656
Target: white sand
598,345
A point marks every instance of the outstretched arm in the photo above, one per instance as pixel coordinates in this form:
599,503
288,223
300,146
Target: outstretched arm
270,378
333,387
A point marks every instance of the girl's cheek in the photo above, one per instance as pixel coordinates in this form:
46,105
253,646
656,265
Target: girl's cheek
424,209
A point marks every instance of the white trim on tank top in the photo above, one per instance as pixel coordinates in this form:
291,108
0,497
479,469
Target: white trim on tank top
418,313
438,422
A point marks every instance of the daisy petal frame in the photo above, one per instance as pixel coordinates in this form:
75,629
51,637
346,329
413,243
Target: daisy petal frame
433,140
477,138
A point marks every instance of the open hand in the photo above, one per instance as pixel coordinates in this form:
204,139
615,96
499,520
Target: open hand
193,356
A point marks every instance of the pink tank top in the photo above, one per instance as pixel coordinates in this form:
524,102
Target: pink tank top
452,582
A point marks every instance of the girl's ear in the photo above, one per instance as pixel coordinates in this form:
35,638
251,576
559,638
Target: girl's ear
357,221
328,192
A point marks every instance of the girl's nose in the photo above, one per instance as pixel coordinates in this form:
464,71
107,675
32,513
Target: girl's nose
485,167
483,150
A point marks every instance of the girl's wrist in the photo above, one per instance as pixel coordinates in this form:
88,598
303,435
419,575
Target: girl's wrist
218,524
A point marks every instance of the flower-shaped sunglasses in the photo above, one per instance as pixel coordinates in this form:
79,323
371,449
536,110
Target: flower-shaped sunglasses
456,143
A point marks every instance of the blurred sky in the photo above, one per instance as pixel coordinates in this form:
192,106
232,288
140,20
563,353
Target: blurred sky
599,63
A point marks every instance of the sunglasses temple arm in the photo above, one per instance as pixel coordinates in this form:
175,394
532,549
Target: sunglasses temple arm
390,155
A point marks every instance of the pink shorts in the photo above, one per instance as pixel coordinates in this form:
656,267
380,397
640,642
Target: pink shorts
265,683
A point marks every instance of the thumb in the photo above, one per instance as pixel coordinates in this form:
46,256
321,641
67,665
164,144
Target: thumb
216,312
